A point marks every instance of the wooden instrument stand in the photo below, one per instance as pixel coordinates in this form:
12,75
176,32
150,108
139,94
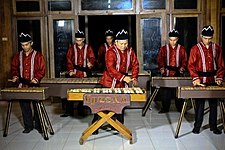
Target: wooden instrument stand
112,103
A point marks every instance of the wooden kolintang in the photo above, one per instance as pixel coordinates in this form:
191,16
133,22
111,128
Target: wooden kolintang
170,82
38,94
137,94
195,92
58,86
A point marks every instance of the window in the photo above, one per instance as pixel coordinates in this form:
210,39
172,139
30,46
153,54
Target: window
59,6
106,4
151,34
63,30
223,3
154,4
27,6
185,4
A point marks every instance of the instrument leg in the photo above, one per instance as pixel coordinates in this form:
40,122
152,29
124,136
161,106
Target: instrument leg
42,121
221,104
46,118
181,117
151,98
7,119
97,124
193,104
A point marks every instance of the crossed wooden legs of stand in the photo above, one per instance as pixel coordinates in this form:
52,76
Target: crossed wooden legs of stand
43,116
106,117
222,110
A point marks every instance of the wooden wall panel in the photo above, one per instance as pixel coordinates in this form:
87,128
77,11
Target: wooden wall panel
6,40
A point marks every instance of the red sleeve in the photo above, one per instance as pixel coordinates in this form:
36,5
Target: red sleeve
90,55
101,53
134,65
220,63
39,71
69,59
183,57
192,62
110,58
161,57
15,66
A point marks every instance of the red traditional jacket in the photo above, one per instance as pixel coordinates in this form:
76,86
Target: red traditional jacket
172,57
101,55
118,64
208,60
28,67
80,57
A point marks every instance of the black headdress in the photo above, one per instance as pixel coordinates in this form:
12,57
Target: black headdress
109,33
79,34
207,31
123,35
173,33
24,38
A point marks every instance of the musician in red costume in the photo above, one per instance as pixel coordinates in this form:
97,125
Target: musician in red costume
80,57
28,68
120,58
109,41
172,61
206,67
80,61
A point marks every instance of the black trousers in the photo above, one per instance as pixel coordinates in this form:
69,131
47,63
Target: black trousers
199,113
69,110
28,116
166,95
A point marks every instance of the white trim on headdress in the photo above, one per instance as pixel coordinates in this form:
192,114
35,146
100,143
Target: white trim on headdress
122,32
109,31
25,35
209,27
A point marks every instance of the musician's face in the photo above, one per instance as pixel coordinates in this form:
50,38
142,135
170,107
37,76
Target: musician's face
79,41
109,40
122,44
27,46
173,41
206,40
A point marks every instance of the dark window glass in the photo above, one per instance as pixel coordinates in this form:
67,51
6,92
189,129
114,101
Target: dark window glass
223,35
27,6
223,3
31,27
106,4
154,4
151,33
185,4
59,6
187,28
63,30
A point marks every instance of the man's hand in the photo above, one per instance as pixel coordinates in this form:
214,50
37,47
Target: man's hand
162,71
89,65
71,73
181,70
33,81
127,79
14,79
197,82
219,82
135,82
